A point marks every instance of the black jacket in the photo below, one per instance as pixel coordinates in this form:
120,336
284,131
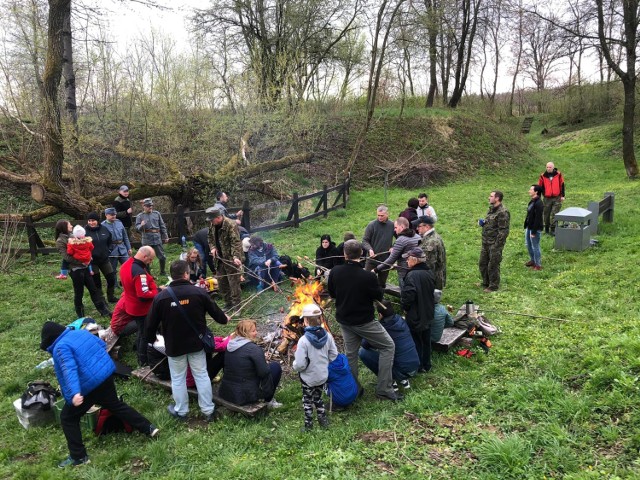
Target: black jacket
102,243
533,220
417,298
201,237
354,290
179,336
247,377
121,205
328,257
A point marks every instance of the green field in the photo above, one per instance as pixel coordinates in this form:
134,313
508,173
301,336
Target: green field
553,398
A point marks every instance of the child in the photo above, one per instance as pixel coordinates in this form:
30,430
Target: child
80,246
316,349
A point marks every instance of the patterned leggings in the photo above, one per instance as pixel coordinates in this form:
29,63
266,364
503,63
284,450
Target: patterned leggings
312,396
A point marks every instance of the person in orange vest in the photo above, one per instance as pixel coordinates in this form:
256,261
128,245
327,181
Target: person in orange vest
552,183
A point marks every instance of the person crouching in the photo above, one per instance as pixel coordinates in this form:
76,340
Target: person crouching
316,349
84,370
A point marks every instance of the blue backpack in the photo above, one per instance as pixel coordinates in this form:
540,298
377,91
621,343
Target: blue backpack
341,385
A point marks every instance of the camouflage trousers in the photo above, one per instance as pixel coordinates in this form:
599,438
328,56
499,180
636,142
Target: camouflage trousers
552,206
312,396
489,263
229,283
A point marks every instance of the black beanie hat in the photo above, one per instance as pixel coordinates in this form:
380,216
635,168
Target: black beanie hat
50,332
93,216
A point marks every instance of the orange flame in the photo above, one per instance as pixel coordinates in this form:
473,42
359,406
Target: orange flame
304,294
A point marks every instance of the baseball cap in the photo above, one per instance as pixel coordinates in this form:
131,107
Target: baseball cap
414,252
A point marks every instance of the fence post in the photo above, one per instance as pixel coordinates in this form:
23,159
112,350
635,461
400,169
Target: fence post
594,208
608,214
31,236
345,191
325,197
294,212
180,220
246,215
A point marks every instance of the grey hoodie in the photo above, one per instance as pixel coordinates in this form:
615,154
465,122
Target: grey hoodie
313,363
237,342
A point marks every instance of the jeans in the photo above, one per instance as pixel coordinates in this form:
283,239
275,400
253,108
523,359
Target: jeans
379,339
533,245
178,368
371,357
207,259
104,395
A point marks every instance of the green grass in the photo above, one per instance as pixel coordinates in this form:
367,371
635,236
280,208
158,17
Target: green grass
553,399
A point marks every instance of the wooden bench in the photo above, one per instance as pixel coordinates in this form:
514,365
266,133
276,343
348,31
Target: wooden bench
393,290
450,337
250,410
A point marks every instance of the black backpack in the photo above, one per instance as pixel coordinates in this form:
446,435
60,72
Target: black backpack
40,395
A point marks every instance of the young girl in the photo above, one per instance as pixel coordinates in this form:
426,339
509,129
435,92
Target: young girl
194,261
80,247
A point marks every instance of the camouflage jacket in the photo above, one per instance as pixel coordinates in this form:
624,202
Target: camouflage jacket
227,236
433,248
496,225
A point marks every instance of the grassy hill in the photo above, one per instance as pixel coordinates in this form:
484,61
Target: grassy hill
555,398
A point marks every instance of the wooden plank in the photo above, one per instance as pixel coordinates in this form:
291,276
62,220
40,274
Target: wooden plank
250,410
450,337
393,290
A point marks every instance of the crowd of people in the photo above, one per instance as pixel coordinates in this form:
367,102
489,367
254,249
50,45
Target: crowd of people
172,318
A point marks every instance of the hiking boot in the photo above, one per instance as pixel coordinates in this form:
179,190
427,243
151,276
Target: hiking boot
153,431
70,462
537,267
405,384
172,411
489,290
62,276
529,264
395,386
324,422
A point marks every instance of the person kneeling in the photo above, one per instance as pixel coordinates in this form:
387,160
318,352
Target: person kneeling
405,361
316,349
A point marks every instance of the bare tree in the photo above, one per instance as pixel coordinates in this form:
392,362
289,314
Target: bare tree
517,47
464,45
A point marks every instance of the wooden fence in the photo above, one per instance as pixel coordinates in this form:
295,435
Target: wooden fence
180,216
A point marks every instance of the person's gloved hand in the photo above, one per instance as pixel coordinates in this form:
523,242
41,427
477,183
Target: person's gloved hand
481,222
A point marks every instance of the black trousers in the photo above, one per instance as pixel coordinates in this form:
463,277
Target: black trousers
107,270
81,278
105,396
423,346
141,344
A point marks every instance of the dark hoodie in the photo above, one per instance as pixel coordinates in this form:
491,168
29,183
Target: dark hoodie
327,257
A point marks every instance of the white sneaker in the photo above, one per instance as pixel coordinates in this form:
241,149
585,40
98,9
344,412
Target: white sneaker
274,404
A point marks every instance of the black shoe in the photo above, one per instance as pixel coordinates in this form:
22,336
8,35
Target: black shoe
172,411
324,422
398,397
153,431
213,417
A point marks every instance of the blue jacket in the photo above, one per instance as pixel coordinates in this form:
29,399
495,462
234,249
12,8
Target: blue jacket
81,362
406,357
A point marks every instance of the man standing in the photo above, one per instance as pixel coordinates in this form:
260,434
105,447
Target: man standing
417,301
85,373
221,204
433,248
182,322
406,239
121,248
424,209
154,232
122,204
226,249
552,183
138,289
533,227
354,291
377,239
495,229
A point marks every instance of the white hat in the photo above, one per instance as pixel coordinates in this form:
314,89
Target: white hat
311,310
78,231
246,245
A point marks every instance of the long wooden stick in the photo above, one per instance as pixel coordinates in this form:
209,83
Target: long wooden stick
154,367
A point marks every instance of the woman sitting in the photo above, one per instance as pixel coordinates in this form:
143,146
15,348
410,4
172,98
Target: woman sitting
196,268
327,255
264,262
247,375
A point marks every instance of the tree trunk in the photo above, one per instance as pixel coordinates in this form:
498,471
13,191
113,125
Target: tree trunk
432,32
628,150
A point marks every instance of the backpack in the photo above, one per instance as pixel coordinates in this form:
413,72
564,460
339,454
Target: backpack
40,395
341,385
108,423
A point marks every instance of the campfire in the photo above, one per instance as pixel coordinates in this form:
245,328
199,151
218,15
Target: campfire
293,326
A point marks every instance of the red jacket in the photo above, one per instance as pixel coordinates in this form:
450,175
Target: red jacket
138,287
552,183
80,249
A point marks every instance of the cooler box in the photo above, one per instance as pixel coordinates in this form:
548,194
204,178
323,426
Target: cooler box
88,420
